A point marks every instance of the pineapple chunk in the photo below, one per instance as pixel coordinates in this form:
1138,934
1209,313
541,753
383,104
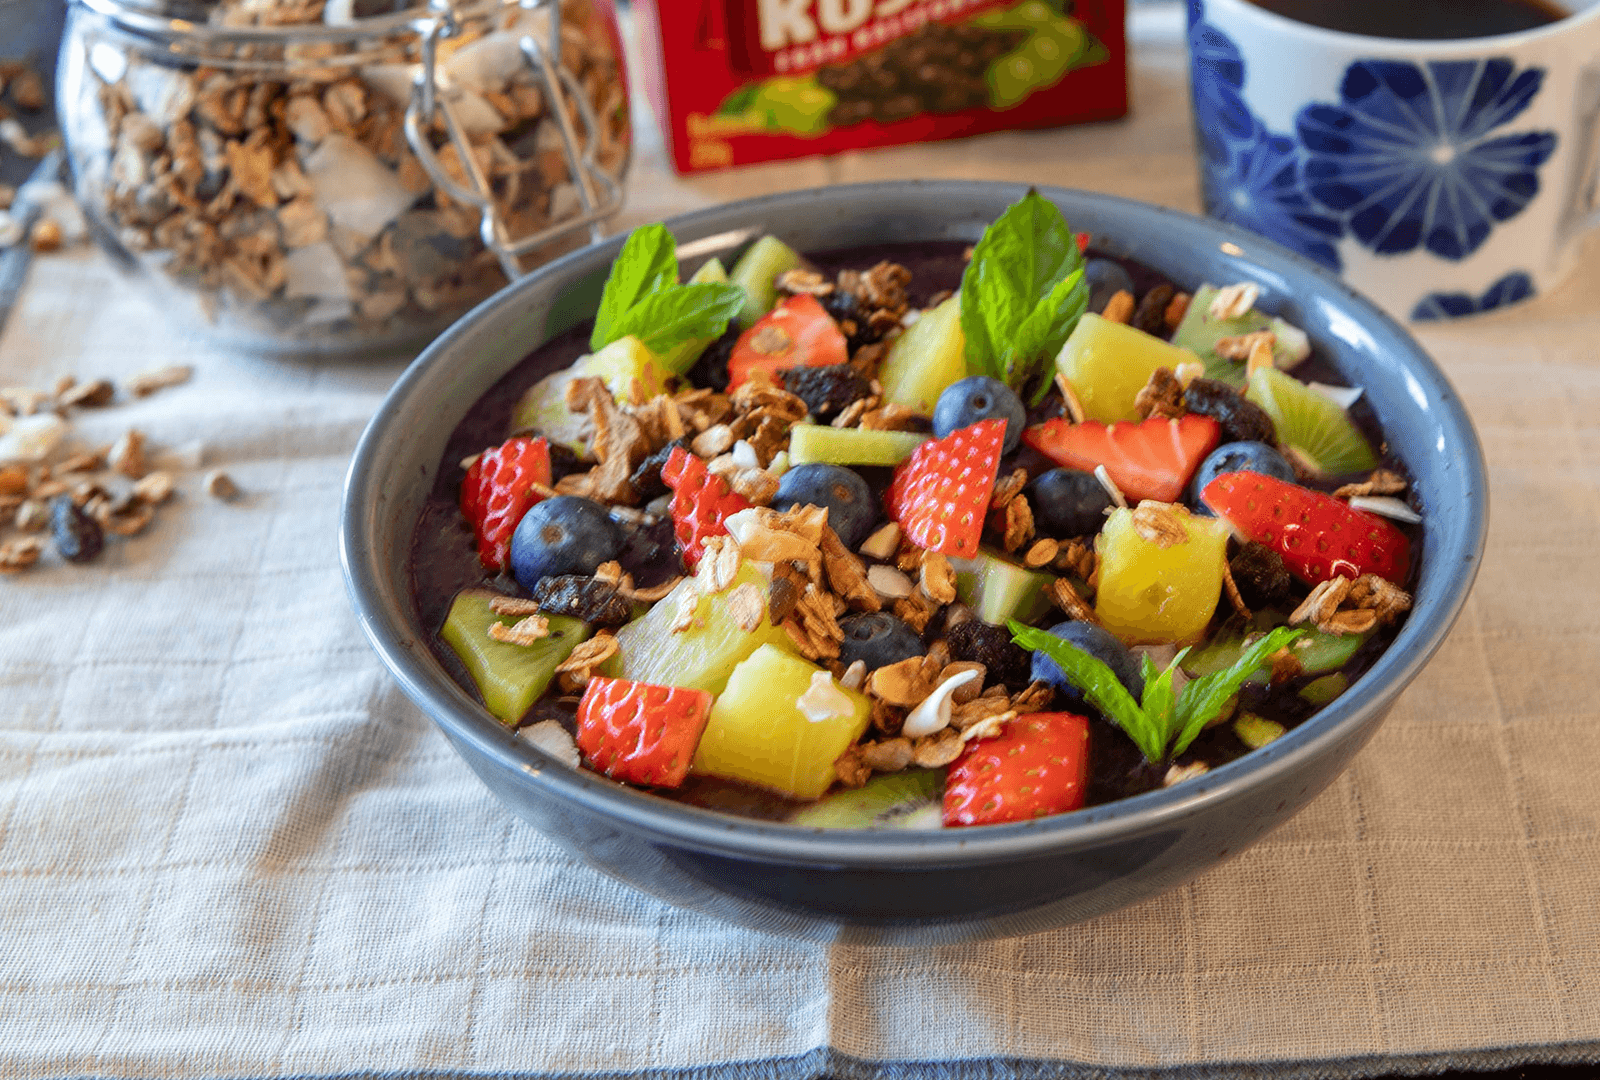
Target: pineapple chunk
702,656
1108,363
630,371
1155,588
781,722
926,359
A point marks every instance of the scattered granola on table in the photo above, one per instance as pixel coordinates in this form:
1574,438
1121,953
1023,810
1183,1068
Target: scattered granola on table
788,545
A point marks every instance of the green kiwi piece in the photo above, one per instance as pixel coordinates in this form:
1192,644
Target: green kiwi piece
757,272
1312,427
913,799
509,677
1317,652
1199,333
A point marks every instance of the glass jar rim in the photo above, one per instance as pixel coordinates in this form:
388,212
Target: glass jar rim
134,15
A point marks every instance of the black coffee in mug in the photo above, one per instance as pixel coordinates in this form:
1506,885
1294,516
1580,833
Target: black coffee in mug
1420,20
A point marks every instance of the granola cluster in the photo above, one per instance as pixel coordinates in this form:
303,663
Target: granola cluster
280,189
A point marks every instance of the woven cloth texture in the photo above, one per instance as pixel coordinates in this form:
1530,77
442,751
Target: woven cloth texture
229,847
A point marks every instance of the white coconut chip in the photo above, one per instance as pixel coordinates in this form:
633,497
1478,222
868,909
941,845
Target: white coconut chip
553,739
823,700
1342,396
1385,506
935,711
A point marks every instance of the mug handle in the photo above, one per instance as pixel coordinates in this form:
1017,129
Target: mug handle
1583,206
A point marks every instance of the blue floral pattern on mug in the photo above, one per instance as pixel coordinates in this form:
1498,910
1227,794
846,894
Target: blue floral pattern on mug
1406,159
1258,186
1216,80
1511,289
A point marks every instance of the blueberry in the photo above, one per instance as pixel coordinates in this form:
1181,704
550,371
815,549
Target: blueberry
877,640
1066,502
1237,457
563,535
851,509
975,398
1105,279
1098,643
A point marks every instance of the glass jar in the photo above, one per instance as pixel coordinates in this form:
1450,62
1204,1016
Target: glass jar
310,177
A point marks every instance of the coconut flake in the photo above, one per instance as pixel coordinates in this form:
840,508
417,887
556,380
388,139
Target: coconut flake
553,739
32,438
744,455
1110,485
934,712
1342,396
1385,506
823,700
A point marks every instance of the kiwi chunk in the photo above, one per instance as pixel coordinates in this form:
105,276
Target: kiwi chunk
1199,333
850,446
509,678
904,800
1317,652
757,272
1312,427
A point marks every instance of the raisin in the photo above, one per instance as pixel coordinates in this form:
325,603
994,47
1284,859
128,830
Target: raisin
78,536
564,461
646,478
710,372
1262,578
1151,314
992,647
1241,420
826,390
853,319
594,601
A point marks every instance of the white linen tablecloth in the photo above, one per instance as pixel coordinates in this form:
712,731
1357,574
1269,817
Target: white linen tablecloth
229,847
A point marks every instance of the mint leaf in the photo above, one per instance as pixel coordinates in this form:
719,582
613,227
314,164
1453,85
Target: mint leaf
1159,697
1100,686
1202,700
1021,261
647,263
1040,336
681,313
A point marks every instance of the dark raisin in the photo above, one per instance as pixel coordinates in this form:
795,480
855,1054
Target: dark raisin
1151,314
595,602
853,319
710,372
78,536
842,305
646,478
1241,420
563,461
1262,578
826,390
992,647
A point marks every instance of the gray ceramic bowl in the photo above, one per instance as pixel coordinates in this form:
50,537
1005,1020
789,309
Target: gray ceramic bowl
914,887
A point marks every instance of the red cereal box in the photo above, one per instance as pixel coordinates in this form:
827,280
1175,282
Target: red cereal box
740,81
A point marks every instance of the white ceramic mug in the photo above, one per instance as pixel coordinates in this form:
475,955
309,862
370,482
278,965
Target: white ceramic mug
1441,178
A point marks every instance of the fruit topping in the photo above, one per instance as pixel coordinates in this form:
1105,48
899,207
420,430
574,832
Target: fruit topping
780,723
596,601
796,333
1099,643
1067,503
1108,363
563,535
646,479
1037,765
997,589
1241,420
701,502
757,272
1149,459
827,390
1238,457
940,494
905,800
852,511
1315,430
639,732
1315,653
877,639
925,359
1105,278
710,370
1219,318
850,446
499,488
990,645
1318,536
1260,576
1160,573
978,397
509,677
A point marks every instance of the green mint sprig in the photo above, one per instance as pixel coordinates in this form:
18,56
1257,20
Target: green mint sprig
642,297
1164,724
1022,294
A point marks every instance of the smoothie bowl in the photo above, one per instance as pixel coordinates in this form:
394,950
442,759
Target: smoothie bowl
762,566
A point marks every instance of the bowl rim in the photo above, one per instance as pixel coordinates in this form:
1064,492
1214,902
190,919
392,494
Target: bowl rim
716,832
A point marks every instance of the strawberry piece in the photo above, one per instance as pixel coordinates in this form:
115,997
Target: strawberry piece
640,732
498,490
701,502
1318,536
1083,241
1037,765
941,493
1151,459
796,333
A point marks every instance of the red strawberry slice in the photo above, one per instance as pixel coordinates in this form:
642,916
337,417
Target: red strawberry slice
1318,536
1037,765
1152,459
498,490
701,502
796,333
640,732
941,493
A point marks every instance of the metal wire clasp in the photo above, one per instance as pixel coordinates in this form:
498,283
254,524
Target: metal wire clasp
599,193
